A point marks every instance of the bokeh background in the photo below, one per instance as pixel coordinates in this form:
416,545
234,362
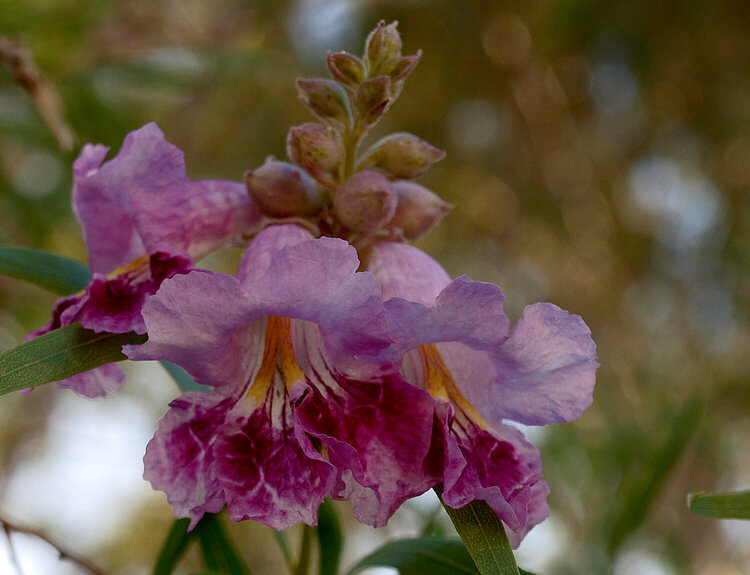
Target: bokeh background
598,158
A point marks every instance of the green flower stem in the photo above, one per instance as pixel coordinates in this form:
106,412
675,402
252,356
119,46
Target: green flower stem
286,549
330,539
303,564
173,548
484,535
219,551
351,143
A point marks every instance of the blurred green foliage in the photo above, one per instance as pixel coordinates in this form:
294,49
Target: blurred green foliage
598,158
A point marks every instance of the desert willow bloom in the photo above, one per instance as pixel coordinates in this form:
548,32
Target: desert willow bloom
454,341
143,221
300,409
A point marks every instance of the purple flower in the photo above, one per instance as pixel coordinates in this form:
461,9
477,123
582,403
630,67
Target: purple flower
455,341
296,413
143,221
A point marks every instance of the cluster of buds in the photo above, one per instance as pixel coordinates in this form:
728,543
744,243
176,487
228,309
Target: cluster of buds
327,181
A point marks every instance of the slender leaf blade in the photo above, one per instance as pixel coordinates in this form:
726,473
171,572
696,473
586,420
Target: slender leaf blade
58,274
173,548
219,552
484,535
637,496
330,538
59,354
733,505
418,556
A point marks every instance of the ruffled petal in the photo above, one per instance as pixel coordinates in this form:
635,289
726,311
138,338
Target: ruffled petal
544,372
253,269
537,511
179,458
407,272
202,322
109,232
316,280
195,218
96,382
467,311
271,473
142,202
112,304
497,466
377,433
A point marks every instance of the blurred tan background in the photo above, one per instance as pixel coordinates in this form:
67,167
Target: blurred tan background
598,158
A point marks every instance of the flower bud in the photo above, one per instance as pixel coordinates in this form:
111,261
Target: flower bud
382,46
327,100
282,189
401,156
365,202
372,99
317,149
346,68
418,209
400,69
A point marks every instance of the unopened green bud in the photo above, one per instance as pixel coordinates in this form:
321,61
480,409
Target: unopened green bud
282,189
318,150
382,46
401,156
365,202
400,69
373,99
418,209
346,68
327,100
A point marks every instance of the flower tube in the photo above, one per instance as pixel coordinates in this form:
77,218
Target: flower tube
454,341
298,411
143,221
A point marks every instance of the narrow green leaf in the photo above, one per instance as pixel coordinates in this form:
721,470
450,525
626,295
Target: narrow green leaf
219,552
330,538
173,548
59,354
734,505
484,535
420,556
636,496
57,274
181,378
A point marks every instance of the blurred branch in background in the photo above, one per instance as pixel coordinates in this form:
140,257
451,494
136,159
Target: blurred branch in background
17,58
9,528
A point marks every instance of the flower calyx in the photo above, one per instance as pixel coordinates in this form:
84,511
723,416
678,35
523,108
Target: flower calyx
418,209
318,150
365,202
401,156
282,189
